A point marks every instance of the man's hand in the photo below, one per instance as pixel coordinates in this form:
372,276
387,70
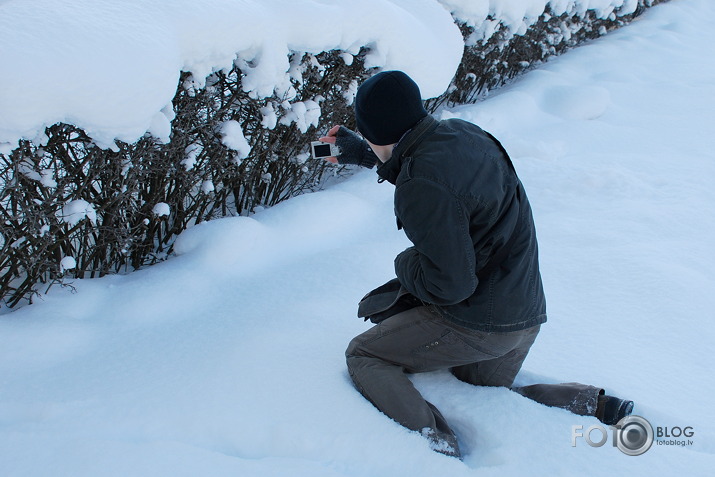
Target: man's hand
353,148
330,138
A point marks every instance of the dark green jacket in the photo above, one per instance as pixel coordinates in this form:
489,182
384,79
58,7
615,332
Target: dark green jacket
463,207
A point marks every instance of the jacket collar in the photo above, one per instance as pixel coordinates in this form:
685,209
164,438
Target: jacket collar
407,144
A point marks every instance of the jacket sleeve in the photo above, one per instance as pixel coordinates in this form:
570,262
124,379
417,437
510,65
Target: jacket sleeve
440,267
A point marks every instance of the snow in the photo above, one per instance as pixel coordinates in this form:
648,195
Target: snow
575,102
192,152
112,67
233,138
207,187
270,119
67,263
46,178
75,211
518,15
303,114
228,358
162,209
122,87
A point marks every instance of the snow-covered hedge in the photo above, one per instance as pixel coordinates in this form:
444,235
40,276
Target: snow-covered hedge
504,38
104,161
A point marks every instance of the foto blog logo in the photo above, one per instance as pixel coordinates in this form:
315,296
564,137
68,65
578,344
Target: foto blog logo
633,435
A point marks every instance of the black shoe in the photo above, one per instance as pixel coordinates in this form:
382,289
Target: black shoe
610,409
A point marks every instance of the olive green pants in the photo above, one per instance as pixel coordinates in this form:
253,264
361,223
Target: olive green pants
420,340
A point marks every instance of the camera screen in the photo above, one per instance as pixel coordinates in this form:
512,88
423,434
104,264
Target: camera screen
322,150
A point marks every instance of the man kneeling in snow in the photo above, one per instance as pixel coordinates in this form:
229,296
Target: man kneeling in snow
468,295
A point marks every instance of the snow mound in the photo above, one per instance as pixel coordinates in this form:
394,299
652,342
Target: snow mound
576,102
224,241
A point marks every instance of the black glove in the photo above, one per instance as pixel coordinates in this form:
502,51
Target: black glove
354,149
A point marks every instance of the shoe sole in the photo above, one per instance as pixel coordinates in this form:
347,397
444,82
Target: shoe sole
625,410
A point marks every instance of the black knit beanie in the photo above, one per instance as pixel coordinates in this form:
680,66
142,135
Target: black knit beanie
386,106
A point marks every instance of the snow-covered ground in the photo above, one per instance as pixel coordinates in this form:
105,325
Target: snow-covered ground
228,359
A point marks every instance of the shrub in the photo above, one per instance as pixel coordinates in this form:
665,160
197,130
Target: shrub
70,209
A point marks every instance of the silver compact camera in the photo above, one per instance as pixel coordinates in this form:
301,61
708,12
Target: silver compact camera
321,150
